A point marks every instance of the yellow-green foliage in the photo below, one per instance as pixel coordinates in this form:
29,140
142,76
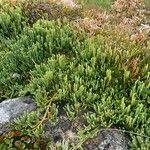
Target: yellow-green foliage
55,63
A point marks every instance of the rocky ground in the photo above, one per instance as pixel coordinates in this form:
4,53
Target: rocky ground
63,129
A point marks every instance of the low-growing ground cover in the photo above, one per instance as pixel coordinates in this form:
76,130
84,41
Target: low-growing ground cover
100,3
51,52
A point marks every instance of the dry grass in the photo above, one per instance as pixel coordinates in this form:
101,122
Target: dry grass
126,17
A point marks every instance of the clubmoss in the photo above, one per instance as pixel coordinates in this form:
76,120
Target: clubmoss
104,73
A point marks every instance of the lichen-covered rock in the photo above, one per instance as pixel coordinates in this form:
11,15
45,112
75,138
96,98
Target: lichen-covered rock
66,130
13,108
107,139
56,130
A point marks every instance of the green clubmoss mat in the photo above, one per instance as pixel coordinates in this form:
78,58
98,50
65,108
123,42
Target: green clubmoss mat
55,63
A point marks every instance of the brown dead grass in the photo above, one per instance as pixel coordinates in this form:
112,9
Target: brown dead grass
126,18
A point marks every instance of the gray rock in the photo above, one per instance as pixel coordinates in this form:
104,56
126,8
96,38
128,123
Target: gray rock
107,139
13,108
56,130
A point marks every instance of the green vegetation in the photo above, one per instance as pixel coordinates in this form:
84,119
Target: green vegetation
104,73
106,4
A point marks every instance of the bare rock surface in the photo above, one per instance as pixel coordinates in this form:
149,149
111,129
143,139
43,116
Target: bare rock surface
56,130
107,139
13,108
